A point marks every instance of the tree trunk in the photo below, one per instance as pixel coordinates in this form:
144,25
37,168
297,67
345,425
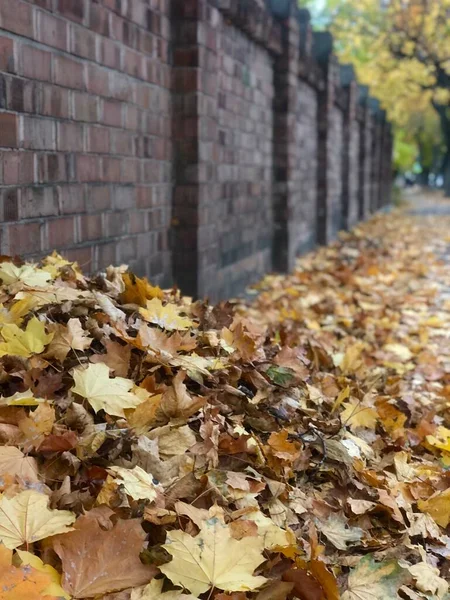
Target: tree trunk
424,176
446,174
444,115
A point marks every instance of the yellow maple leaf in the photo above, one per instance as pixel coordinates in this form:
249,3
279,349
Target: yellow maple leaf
24,343
165,316
28,274
26,518
17,311
138,291
438,507
13,462
213,558
356,414
103,393
31,580
441,439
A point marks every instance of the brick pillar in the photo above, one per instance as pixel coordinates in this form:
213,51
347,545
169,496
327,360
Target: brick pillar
364,153
375,154
381,159
286,88
195,75
386,165
350,182
323,52
388,171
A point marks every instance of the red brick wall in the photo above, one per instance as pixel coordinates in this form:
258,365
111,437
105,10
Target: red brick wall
85,131
244,170
203,142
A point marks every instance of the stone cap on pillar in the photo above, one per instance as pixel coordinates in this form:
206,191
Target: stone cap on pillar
346,75
374,107
363,95
282,9
306,33
322,46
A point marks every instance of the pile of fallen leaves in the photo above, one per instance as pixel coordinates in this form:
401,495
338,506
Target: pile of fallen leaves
159,448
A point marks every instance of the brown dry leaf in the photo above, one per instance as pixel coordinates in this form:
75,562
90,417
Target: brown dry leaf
177,402
95,561
37,425
338,532
66,339
117,358
282,448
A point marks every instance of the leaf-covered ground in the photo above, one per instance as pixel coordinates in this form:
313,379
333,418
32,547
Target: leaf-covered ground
155,448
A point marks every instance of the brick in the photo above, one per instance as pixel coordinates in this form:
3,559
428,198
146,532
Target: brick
112,113
39,134
83,42
129,172
69,73
88,168
98,198
18,19
52,31
7,55
36,63
52,168
106,255
124,197
99,19
37,201
91,227
70,137
83,256
98,80
55,102
70,199
122,142
110,54
9,130
99,140
10,202
24,238
126,250
24,96
85,107
18,168
75,10
111,169
3,93
116,224
144,197
138,222
61,232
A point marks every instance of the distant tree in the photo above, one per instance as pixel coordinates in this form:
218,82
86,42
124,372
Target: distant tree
401,49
